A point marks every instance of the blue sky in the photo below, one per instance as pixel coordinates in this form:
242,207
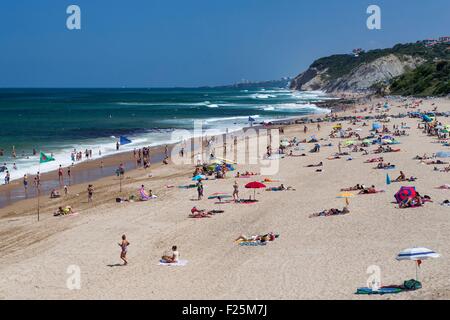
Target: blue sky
160,43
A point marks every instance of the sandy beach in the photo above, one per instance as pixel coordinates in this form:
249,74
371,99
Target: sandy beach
314,258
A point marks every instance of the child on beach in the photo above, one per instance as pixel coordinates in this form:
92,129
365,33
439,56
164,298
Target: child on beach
173,258
235,191
124,246
90,191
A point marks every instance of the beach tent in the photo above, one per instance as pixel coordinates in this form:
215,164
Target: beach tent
405,193
443,154
124,140
417,254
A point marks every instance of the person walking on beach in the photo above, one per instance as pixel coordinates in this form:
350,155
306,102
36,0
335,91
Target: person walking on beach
117,146
166,151
124,246
66,190
90,191
69,173
235,191
60,174
200,189
25,182
7,177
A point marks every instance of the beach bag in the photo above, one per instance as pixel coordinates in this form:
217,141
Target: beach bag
412,285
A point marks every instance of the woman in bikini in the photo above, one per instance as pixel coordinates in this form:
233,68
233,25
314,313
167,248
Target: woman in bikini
124,246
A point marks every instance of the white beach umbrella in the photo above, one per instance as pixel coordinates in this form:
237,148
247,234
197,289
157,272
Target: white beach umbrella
417,254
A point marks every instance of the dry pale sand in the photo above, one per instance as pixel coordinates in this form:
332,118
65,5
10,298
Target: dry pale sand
320,258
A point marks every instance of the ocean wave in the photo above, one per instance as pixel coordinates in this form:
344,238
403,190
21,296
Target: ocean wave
263,96
293,107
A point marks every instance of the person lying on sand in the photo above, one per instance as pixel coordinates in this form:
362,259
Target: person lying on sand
382,165
171,258
64,211
315,165
331,212
380,159
370,190
424,157
54,194
433,162
263,238
444,187
196,213
281,188
296,155
355,188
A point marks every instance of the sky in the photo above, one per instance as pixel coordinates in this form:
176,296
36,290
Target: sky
188,43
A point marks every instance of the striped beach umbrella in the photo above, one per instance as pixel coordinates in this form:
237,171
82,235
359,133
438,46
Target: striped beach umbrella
405,193
417,254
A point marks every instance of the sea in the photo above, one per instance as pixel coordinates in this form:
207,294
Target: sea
57,121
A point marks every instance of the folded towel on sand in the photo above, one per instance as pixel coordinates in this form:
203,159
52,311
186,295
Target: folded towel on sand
180,263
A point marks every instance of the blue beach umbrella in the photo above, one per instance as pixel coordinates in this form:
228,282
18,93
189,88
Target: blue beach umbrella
198,177
443,154
376,126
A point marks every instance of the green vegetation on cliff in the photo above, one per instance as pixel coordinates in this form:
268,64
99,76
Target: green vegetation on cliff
429,79
342,64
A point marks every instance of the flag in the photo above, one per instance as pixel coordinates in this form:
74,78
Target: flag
45,158
250,119
388,179
124,140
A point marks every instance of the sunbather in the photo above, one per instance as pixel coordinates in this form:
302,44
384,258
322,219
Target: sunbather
331,212
263,238
370,190
315,165
64,211
355,188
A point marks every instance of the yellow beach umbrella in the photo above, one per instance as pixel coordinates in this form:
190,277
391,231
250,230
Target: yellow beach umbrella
346,196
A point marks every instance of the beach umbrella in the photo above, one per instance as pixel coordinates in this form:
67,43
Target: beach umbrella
417,254
284,143
199,177
405,193
255,185
346,196
388,179
376,126
443,154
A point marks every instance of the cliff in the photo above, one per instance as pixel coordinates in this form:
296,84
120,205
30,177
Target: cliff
368,72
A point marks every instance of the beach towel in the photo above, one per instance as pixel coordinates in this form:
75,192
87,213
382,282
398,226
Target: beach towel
381,291
252,243
180,263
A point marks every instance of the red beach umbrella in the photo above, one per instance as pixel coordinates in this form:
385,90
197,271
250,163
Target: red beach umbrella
255,185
